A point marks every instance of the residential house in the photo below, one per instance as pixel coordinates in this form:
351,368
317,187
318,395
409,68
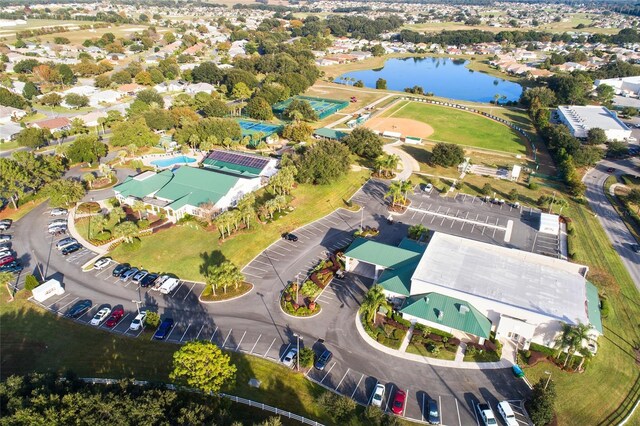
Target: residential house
9,131
57,124
9,114
130,88
192,89
105,97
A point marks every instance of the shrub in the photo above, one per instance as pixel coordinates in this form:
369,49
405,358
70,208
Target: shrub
102,237
113,202
441,333
143,224
152,320
533,186
604,308
341,408
542,349
31,282
398,318
310,289
305,357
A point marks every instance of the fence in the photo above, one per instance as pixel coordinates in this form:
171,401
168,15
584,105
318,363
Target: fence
233,398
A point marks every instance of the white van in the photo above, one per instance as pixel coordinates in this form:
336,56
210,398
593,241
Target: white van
169,285
504,408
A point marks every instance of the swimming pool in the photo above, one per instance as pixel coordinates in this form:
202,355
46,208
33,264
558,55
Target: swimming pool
168,162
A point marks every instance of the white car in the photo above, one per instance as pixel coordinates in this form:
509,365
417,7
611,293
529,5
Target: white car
138,321
58,222
504,408
59,212
100,316
65,242
378,395
290,357
102,263
428,188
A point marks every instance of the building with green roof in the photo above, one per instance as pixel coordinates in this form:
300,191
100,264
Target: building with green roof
461,285
184,190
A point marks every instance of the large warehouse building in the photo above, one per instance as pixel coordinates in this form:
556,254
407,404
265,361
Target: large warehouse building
625,86
457,284
579,119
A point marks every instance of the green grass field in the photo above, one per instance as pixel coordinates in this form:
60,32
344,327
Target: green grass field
183,249
460,127
6,146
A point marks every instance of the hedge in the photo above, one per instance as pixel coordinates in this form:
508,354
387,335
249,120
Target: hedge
31,282
542,349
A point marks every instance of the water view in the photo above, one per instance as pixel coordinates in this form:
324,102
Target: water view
442,76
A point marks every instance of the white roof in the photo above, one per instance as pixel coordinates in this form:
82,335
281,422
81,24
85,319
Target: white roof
533,282
9,130
549,223
589,117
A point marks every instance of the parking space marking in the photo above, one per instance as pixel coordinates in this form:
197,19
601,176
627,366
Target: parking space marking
241,339
185,332
199,331
121,322
214,333
273,251
225,340
68,304
280,358
327,373
404,411
252,275
254,345
374,391
255,267
358,385
422,409
169,335
389,398
259,261
458,411
265,354
58,301
440,410
283,248
343,377
188,293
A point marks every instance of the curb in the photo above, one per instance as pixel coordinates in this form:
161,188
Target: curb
225,300
296,317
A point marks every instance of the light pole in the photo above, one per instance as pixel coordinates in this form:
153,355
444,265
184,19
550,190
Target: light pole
138,303
298,338
548,379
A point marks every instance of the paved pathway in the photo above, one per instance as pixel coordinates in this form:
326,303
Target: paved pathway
408,164
75,234
407,339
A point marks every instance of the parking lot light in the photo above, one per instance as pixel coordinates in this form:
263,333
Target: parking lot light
298,337
548,379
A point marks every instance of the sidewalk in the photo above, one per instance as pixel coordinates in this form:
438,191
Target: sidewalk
407,162
75,234
458,363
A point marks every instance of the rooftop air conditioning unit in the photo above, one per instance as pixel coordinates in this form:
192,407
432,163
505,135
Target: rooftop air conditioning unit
464,309
440,314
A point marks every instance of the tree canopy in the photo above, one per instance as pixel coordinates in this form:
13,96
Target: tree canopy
447,154
323,163
133,132
300,109
259,108
32,137
86,149
364,142
202,365
64,192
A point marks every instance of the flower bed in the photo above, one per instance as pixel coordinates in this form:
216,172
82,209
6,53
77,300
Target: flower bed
232,293
399,207
367,232
387,332
489,352
89,207
104,182
433,345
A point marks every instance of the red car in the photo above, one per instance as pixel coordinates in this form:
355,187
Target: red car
6,260
398,402
116,316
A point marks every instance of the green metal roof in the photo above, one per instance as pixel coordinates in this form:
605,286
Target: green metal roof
142,188
196,186
329,133
226,167
413,245
429,306
593,307
398,280
380,254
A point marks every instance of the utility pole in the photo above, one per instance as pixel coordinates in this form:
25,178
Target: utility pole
298,337
553,200
38,264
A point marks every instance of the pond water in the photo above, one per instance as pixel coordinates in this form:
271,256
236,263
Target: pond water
444,77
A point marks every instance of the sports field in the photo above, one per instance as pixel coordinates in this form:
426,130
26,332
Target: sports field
453,126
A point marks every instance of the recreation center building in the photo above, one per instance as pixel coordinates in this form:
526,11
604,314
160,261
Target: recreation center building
579,119
472,288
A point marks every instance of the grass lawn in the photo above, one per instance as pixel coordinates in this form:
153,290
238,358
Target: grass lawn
421,350
78,36
6,146
60,109
460,127
10,213
184,249
612,373
486,356
344,93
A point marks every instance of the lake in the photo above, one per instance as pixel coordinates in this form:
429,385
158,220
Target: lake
443,77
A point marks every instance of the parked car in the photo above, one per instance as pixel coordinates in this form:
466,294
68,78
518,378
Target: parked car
102,263
138,321
120,269
505,411
399,400
116,316
139,276
59,212
428,188
71,249
5,251
164,329
100,316
6,222
148,280
290,357
12,267
323,360
434,413
79,308
6,244
4,226
58,222
129,273
290,237
485,414
57,230
65,242
4,238
169,285
7,260
378,395
635,248
611,170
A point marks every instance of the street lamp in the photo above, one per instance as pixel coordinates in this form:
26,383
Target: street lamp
548,379
298,337
138,303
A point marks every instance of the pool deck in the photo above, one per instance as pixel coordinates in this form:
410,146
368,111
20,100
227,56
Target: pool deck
147,159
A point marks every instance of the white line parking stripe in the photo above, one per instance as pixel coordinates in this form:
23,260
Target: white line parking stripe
252,275
264,263
185,332
189,292
285,352
58,301
345,375
241,339
265,354
169,335
254,345
199,331
325,376
458,410
404,411
214,333
356,388
255,267
389,398
225,340
68,304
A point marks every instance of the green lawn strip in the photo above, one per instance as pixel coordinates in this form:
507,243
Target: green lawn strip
461,127
620,208
610,375
485,356
184,249
23,210
419,349
6,146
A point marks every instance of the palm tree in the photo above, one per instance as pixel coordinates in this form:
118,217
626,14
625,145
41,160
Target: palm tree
395,192
391,162
97,224
89,178
118,213
372,301
105,170
380,163
138,207
224,275
127,230
581,335
586,354
5,278
405,187
564,339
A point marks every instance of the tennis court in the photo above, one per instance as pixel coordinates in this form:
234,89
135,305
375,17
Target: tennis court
322,106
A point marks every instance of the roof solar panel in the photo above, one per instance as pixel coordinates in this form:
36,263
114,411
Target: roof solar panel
239,159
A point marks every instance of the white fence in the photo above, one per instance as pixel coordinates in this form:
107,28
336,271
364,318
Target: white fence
234,398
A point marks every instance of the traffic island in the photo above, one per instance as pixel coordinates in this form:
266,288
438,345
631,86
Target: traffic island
209,296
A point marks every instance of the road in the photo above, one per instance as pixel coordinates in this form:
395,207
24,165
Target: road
618,234
255,324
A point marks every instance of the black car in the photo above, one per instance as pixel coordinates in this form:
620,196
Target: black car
323,360
14,266
163,331
120,269
635,248
71,249
290,237
434,414
79,308
148,280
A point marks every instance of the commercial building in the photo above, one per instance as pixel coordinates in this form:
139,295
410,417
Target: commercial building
465,286
625,86
579,119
